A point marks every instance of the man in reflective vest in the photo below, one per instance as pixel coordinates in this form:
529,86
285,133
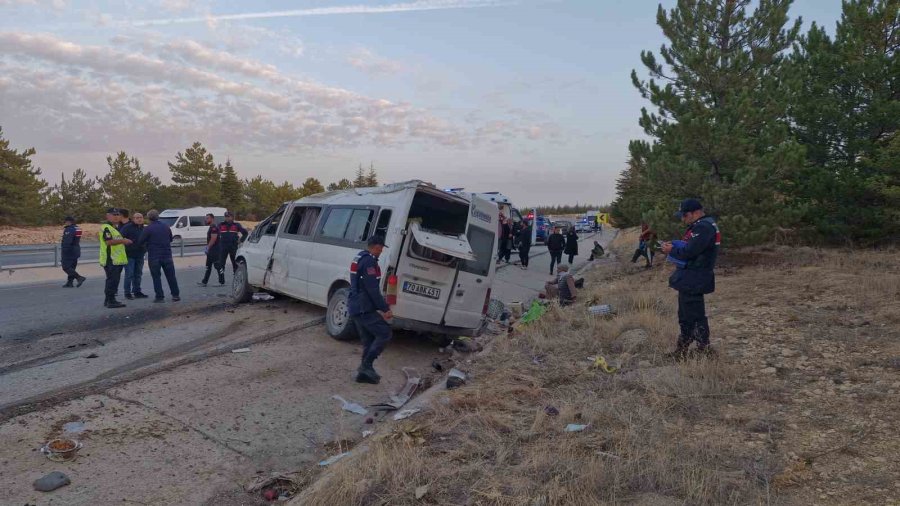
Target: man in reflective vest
112,255
695,278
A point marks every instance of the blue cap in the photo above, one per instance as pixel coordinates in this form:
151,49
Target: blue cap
113,210
376,240
688,206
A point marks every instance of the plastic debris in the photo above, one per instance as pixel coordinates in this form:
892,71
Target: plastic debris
76,427
241,350
600,363
421,491
367,433
456,378
51,481
262,296
350,406
534,313
332,460
602,310
406,413
575,427
551,411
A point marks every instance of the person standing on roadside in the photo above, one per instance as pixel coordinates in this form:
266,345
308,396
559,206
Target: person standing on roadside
524,243
134,270
645,245
228,239
556,243
698,250
70,249
571,245
112,256
506,240
213,252
123,218
369,311
157,238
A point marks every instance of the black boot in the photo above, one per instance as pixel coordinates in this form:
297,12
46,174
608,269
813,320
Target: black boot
68,284
80,281
112,303
366,373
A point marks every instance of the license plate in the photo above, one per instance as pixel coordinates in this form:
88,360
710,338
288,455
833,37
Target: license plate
424,291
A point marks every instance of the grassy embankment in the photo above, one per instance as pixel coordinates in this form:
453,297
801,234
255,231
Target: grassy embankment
800,408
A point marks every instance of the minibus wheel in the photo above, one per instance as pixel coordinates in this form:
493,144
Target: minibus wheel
240,287
337,317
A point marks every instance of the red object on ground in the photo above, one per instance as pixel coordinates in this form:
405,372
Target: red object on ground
270,495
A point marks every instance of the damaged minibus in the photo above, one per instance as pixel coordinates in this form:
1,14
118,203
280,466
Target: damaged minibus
438,265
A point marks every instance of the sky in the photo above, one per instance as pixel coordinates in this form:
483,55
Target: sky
532,98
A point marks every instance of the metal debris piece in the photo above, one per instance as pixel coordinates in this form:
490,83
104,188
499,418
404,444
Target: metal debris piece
332,460
575,427
241,350
406,413
350,406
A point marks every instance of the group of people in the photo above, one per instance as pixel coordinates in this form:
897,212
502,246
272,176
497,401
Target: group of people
125,241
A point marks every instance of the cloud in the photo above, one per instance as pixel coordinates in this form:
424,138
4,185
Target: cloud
370,63
421,5
57,5
159,94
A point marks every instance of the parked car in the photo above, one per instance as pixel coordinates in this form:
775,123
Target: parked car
438,267
584,226
542,229
190,224
563,225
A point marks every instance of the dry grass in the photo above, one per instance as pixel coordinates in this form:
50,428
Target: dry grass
51,234
701,432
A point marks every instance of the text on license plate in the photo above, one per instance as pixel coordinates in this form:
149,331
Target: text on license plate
425,291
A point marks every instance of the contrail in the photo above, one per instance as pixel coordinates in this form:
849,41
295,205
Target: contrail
422,5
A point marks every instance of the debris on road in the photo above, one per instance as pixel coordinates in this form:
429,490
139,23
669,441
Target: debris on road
600,363
93,355
406,413
534,313
61,449
456,378
367,433
350,406
240,350
575,427
262,296
602,310
76,427
51,481
421,491
332,460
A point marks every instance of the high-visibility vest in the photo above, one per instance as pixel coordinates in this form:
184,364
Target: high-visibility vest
116,251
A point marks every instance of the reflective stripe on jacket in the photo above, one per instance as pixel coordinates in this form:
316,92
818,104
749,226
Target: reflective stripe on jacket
116,251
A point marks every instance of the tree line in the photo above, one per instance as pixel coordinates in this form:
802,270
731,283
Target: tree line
781,134
197,180
566,209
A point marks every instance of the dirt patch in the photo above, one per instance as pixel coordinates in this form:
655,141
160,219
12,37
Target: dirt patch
799,407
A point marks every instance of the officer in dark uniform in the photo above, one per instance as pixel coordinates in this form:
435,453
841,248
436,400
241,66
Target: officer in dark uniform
228,239
71,252
213,252
369,311
695,278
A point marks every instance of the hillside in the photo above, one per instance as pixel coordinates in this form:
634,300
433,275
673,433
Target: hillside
800,408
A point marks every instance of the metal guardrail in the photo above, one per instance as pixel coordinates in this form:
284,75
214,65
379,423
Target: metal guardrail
57,253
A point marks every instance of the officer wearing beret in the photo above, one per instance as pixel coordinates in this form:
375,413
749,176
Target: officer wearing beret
369,311
695,278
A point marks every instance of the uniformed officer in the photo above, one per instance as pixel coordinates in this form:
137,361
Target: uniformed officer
228,239
695,278
369,311
71,252
112,255
213,253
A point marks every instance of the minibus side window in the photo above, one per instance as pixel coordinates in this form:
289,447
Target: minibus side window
384,221
198,221
360,225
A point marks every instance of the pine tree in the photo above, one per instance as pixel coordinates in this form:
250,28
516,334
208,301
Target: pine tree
311,186
81,198
343,184
196,176
846,113
127,185
231,192
360,181
283,193
719,131
21,187
371,177
259,194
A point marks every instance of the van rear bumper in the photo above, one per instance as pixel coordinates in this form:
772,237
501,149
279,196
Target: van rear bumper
420,326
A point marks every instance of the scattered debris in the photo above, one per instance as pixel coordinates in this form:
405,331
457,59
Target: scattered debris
276,485
350,406
93,355
600,363
551,411
76,427
405,394
51,481
240,350
370,420
332,460
421,491
466,344
602,310
262,296
61,450
406,413
534,313
436,365
456,378
576,427
367,433
270,494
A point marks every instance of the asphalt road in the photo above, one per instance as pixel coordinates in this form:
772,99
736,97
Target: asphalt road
29,313
13,256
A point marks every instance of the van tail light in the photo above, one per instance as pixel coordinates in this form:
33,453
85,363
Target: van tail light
391,290
487,302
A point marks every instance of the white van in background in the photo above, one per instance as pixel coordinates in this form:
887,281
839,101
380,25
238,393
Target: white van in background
438,266
190,224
